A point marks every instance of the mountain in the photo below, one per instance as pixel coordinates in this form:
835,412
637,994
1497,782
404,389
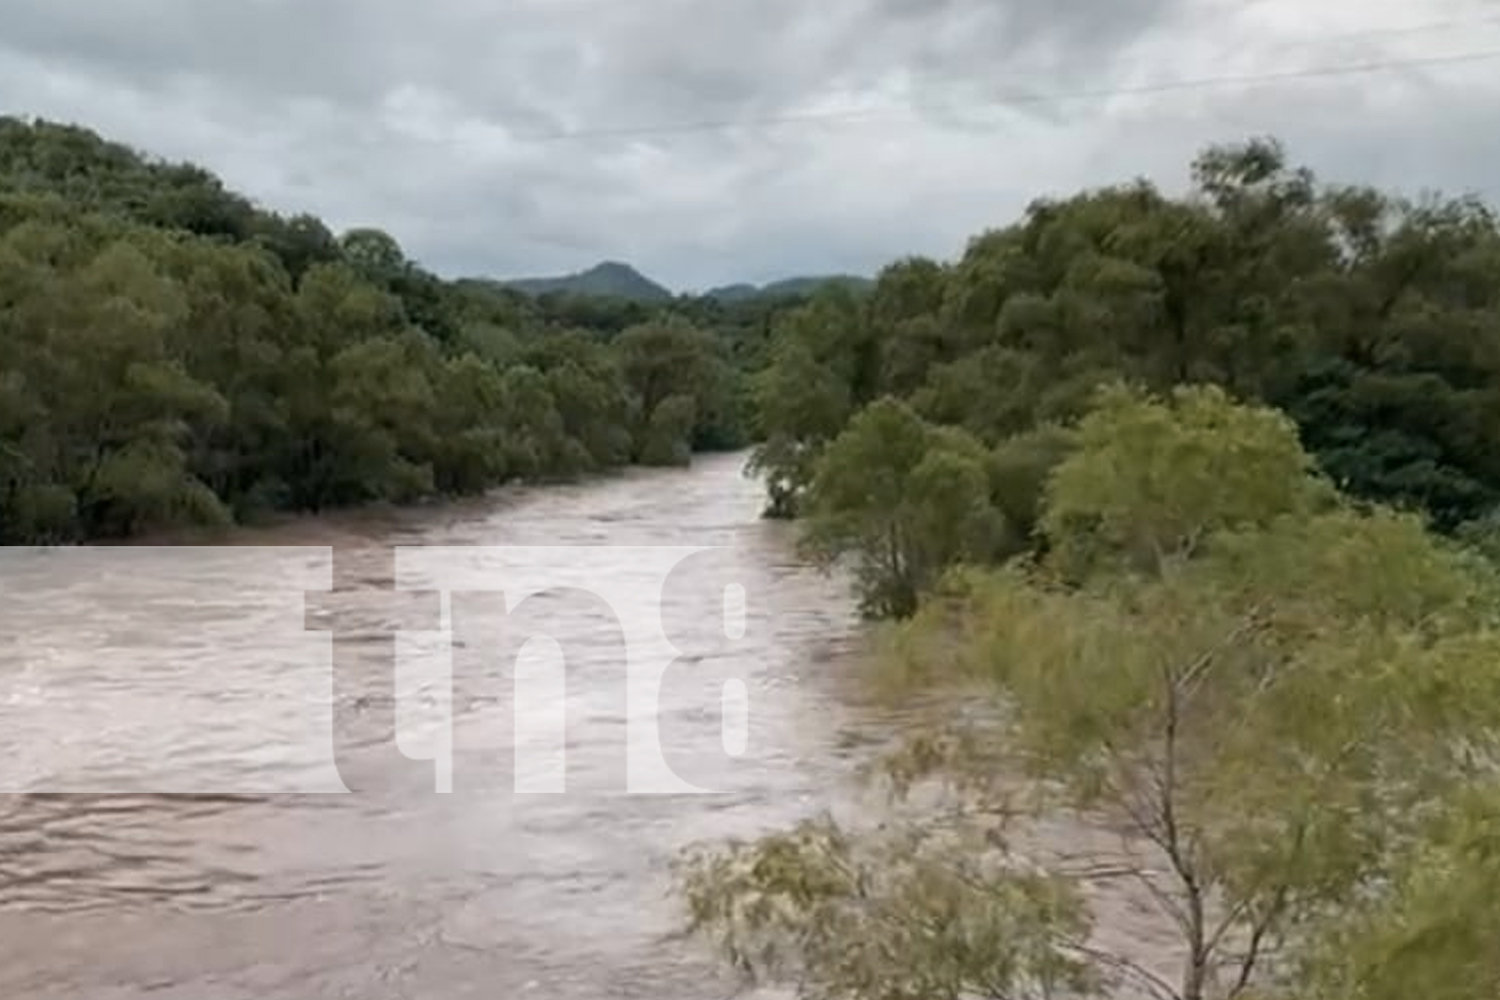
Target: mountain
610,279
613,279
732,293
806,285
788,287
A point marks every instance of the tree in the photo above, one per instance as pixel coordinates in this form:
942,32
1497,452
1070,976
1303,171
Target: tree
669,366
373,254
1271,720
899,916
1371,321
905,500
590,394
1436,933
298,242
904,309
667,437
803,405
1151,480
1020,469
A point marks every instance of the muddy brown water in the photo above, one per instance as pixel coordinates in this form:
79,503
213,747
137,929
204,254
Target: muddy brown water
174,826
178,821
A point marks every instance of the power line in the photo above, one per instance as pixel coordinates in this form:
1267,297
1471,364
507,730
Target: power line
1315,41
1395,31
1015,100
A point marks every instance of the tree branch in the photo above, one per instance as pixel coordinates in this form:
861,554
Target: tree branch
1194,976
1156,985
1188,681
1257,940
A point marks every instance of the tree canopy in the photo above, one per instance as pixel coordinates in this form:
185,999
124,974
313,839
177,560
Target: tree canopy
1371,320
172,353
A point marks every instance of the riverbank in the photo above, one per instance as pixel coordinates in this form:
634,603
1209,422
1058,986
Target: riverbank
379,515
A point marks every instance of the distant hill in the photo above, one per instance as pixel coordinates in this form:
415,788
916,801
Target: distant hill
732,293
611,279
798,286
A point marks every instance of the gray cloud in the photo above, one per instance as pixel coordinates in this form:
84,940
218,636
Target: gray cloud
442,122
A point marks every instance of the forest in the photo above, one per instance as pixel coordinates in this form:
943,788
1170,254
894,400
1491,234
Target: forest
1181,515
173,354
1371,321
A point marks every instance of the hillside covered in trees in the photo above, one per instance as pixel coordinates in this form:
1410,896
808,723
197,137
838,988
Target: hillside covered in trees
788,288
609,279
171,353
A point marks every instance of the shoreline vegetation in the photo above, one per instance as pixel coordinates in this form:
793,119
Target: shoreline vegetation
1185,511
173,355
377,514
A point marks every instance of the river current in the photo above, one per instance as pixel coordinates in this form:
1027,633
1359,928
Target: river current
426,754
203,799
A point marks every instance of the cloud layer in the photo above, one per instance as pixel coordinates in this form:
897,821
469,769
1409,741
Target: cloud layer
710,141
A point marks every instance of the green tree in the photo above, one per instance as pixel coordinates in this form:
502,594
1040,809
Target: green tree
589,391
1436,932
1269,720
905,500
1020,469
373,254
803,405
298,242
1152,480
669,365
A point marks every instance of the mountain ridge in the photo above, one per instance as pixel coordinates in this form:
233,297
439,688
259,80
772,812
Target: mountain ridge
617,279
609,278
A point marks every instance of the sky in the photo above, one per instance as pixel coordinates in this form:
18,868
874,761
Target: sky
715,141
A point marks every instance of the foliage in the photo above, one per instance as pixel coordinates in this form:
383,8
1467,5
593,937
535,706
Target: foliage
905,499
821,369
1149,481
828,911
1275,698
1372,321
172,353
1436,933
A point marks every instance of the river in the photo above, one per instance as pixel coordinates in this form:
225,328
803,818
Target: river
197,811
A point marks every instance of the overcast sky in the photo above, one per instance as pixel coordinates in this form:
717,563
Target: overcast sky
518,137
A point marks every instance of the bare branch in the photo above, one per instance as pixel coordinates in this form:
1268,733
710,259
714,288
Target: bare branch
1193,979
1257,941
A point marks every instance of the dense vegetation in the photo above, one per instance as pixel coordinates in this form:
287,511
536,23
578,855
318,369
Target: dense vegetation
1373,322
1182,505
1276,710
172,353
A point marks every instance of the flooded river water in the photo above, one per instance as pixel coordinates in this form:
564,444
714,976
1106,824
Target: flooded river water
196,810
426,754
